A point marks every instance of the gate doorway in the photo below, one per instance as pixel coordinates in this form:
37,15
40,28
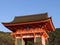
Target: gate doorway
29,41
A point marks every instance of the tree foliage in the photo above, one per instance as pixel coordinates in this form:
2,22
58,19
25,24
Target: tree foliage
6,39
54,37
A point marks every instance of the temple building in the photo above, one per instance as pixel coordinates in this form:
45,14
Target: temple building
31,29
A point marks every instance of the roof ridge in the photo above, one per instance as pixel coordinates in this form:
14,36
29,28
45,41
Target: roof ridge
31,15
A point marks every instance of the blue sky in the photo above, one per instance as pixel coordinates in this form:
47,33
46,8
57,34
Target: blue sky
11,8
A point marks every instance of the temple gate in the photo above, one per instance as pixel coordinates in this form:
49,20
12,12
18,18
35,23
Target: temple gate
31,30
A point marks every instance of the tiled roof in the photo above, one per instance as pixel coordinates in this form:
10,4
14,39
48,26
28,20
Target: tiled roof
30,18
